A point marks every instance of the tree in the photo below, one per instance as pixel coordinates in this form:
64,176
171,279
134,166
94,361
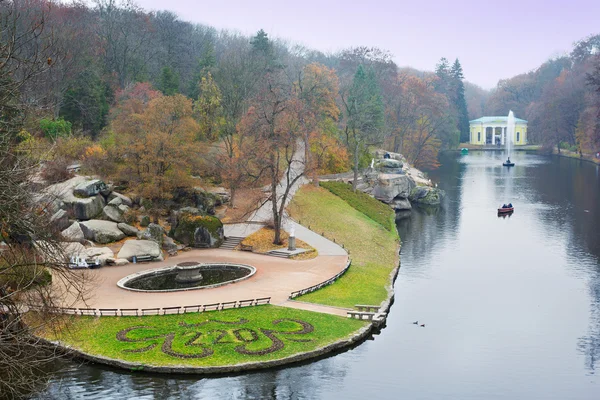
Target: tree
459,101
155,149
207,109
169,82
30,255
364,116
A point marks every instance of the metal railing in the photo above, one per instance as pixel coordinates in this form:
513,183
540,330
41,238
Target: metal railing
322,284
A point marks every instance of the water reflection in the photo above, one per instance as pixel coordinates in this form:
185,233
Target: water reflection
512,305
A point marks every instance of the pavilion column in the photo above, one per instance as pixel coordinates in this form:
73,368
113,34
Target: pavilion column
483,129
503,136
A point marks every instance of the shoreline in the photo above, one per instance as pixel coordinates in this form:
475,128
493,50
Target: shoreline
356,338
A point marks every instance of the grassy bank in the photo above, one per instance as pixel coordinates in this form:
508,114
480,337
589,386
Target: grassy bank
376,210
214,338
372,247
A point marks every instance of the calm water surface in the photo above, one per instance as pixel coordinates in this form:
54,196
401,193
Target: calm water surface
511,305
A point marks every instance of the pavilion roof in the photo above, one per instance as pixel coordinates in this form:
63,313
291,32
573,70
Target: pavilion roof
490,120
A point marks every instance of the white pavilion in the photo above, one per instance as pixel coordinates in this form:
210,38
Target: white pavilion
492,131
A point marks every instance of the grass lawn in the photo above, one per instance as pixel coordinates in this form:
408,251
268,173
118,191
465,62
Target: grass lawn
373,248
376,210
213,338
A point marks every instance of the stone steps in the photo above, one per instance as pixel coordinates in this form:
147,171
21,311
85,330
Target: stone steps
279,254
231,242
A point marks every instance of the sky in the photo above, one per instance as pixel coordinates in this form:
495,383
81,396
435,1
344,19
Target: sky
492,39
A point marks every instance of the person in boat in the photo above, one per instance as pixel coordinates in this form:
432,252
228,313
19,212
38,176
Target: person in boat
504,206
509,205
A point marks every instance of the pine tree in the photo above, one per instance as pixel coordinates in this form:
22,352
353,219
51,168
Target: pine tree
459,101
206,65
169,82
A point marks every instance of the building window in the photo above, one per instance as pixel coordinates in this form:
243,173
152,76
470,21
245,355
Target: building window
518,135
479,136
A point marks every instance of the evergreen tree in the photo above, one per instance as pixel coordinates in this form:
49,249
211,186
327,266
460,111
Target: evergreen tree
364,114
206,65
459,101
169,82
442,70
261,43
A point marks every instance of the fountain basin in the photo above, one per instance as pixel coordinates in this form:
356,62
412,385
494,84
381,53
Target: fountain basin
186,276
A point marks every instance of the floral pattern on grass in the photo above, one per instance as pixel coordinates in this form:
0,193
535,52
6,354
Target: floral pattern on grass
214,338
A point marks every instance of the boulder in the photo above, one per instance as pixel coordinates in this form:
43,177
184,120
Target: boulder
124,199
117,201
90,188
223,194
73,233
400,204
118,262
101,231
169,245
389,166
391,186
140,248
392,155
426,195
86,208
100,253
113,213
60,220
154,232
124,208
128,229
197,230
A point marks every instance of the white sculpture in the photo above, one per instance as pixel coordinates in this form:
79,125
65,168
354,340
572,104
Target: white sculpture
372,163
292,230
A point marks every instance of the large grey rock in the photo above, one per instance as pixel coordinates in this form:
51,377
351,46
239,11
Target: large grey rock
389,166
426,195
102,254
86,208
400,204
154,232
198,231
60,220
140,248
113,213
73,233
101,231
90,188
123,199
169,245
391,186
117,201
128,229
124,208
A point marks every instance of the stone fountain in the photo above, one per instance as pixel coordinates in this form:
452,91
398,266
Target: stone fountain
510,133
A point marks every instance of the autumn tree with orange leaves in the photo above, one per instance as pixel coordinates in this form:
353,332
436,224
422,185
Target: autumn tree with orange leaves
155,148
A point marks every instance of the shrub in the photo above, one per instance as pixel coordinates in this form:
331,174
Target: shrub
372,208
55,128
72,147
56,171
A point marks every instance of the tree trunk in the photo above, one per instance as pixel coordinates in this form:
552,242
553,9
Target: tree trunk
276,219
355,180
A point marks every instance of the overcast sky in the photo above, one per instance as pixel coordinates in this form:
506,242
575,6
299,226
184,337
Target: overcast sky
492,39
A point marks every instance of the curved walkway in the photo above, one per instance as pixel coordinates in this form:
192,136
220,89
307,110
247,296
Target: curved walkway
274,277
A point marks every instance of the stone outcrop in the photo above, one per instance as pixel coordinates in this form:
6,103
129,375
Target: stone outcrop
102,254
87,208
400,204
90,188
196,230
389,166
60,220
391,186
73,233
101,231
154,232
426,195
123,199
140,248
113,213
128,229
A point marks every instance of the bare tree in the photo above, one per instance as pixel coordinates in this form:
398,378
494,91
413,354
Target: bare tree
30,256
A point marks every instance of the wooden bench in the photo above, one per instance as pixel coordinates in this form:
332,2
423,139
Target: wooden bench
143,258
87,311
129,312
108,311
246,247
362,307
360,315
